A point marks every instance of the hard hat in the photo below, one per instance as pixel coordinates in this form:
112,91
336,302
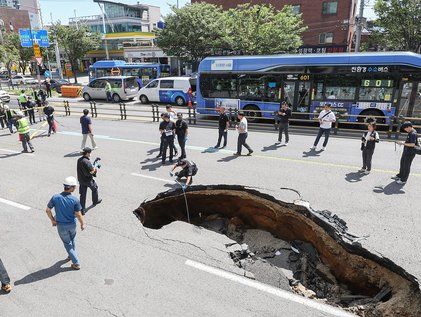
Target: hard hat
19,113
70,181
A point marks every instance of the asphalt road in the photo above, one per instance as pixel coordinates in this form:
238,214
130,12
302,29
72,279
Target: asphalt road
128,270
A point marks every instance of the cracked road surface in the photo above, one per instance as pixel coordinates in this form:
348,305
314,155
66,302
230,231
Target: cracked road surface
128,270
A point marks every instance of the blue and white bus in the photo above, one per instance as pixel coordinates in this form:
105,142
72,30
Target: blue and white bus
144,72
381,84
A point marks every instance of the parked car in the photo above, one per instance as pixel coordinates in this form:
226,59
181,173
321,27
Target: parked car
57,83
23,79
123,88
176,90
4,96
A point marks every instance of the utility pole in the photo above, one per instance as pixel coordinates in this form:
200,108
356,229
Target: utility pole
105,31
360,22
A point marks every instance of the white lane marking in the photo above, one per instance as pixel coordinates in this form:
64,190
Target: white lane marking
269,289
13,204
15,152
155,178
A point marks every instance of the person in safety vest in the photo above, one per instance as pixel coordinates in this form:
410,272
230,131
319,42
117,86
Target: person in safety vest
23,99
108,91
23,130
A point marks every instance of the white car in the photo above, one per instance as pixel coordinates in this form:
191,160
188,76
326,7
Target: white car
123,88
23,79
175,90
4,96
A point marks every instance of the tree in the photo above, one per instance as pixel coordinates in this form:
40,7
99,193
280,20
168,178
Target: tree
192,32
9,55
261,29
75,42
25,54
399,22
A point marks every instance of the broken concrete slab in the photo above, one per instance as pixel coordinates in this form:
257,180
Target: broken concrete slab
260,241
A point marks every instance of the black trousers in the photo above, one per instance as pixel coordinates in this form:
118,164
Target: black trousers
405,168
283,128
26,141
161,145
3,121
242,137
4,277
367,158
322,131
223,133
168,142
49,94
83,188
50,121
31,114
182,142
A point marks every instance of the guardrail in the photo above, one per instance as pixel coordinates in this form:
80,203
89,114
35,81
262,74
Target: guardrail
122,111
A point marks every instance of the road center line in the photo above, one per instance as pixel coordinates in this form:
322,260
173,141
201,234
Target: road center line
155,178
223,151
269,289
13,204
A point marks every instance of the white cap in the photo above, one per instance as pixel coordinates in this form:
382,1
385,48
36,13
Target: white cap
70,181
19,113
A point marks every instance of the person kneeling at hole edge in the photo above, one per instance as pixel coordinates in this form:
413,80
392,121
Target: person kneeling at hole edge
188,170
86,171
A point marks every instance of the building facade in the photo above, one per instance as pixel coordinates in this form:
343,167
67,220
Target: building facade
14,19
330,22
29,7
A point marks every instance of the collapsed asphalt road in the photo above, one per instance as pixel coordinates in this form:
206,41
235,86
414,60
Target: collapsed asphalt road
332,265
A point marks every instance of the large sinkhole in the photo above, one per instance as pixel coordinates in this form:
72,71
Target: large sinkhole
327,262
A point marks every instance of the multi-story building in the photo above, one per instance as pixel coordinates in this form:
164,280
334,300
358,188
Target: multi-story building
330,22
29,7
14,19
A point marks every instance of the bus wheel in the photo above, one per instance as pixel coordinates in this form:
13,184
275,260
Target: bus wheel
179,101
252,113
86,96
372,115
143,99
116,98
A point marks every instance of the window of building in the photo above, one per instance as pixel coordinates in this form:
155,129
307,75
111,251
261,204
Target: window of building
326,38
330,7
296,8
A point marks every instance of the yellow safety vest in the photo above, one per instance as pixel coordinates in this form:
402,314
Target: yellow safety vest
23,126
22,98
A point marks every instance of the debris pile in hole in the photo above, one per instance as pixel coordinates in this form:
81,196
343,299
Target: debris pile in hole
294,266
381,287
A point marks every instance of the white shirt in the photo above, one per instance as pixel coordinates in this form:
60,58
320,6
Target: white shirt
173,116
242,127
326,122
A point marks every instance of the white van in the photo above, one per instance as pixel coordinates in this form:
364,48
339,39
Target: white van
123,88
177,90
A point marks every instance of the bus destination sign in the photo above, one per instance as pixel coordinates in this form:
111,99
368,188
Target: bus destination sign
376,83
369,69
301,77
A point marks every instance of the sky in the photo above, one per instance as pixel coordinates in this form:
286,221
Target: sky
64,9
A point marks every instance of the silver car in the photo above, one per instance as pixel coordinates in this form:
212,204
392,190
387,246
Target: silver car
123,88
4,96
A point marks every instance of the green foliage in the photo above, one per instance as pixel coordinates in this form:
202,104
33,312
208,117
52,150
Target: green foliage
198,30
9,55
25,54
75,42
399,24
192,32
260,29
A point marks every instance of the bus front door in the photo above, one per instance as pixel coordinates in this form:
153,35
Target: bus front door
297,94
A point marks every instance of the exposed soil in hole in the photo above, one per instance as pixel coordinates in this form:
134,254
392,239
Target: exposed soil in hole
313,250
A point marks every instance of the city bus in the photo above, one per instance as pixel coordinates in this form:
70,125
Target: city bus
144,72
370,85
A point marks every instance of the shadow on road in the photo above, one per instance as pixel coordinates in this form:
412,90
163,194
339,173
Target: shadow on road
44,273
6,156
152,167
312,153
210,150
152,151
73,154
354,177
151,160
273,147
228,159
391,189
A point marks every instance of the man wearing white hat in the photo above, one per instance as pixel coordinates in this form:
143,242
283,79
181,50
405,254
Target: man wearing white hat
67,209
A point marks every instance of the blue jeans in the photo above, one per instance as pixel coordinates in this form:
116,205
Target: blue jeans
4,277
67,234
322,131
